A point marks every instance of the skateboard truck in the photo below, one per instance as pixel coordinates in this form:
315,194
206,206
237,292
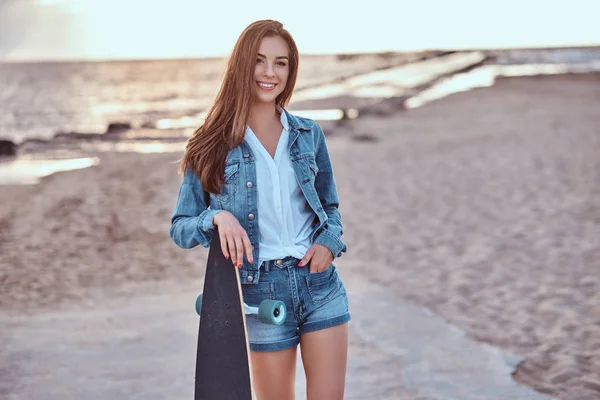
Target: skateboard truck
272,312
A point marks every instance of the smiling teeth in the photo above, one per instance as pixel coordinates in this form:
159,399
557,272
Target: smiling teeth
267,85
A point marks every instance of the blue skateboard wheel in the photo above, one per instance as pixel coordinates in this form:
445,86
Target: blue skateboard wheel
199,303
272,312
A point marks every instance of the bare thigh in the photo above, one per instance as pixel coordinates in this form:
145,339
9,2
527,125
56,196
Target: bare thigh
274,374
324,355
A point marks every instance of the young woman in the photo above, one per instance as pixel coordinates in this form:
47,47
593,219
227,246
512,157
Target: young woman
264,177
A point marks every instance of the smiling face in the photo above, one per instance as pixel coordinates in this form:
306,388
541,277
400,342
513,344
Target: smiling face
272,69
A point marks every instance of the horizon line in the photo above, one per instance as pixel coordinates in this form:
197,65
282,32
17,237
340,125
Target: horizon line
307,54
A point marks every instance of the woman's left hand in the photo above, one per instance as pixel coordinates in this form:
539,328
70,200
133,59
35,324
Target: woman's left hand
319,257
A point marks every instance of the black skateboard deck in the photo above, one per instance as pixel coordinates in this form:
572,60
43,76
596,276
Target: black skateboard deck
222,358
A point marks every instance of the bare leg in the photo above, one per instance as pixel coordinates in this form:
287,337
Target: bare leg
274,374
324,355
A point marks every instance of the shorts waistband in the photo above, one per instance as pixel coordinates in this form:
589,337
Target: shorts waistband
280,263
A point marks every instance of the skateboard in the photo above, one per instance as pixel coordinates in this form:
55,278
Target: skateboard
222,357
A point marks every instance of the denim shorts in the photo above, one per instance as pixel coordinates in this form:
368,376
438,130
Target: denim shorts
313,301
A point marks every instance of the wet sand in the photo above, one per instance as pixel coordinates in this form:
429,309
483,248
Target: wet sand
483,207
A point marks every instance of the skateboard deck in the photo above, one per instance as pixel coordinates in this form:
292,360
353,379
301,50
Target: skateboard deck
222,358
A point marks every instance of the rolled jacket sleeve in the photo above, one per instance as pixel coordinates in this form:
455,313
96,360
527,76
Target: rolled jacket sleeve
192,219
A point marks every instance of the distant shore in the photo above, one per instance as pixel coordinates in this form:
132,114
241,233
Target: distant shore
360,85
169,115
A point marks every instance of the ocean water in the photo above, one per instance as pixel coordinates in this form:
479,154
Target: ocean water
565,56
164,100
39,100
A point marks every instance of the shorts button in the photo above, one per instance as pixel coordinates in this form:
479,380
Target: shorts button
279,262
250,278
250,217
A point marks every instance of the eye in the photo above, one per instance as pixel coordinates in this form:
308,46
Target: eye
259,60
282,63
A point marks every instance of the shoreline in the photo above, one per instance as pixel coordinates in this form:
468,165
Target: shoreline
343,68
64,147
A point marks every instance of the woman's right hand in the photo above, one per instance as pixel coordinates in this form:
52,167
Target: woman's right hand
234,239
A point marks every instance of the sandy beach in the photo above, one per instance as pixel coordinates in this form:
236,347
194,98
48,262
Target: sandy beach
483,206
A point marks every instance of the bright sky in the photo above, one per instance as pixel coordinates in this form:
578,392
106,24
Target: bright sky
101,29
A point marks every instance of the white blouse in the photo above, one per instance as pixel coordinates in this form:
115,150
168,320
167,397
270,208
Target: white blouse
284,216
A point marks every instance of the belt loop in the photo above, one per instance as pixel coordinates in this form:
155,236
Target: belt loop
266,265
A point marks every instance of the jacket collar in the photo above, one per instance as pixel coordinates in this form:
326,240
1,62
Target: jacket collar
296,124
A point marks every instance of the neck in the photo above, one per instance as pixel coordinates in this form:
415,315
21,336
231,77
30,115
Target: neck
262,112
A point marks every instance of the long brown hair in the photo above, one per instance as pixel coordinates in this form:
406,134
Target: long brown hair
225,124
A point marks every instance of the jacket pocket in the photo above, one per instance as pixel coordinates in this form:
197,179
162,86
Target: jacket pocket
308,168
230,183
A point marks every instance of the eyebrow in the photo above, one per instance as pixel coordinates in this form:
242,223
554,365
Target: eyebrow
277,58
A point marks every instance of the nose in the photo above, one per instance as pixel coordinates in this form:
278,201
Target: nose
269,71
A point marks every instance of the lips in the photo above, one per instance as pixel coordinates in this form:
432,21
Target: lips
266,85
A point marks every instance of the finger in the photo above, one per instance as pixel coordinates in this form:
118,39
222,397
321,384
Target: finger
224,245
231,247
318,262
248,247
317,266
314,267
321,266
239,254
322,258
306,257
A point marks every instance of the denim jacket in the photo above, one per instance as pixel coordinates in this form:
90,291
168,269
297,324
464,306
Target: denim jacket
191,223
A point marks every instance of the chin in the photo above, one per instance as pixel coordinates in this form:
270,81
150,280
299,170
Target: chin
266,99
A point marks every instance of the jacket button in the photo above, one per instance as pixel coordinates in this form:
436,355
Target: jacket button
249,184
246,155
250,217
250,278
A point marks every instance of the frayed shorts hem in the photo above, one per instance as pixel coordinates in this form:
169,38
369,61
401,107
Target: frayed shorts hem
328,323
275,346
